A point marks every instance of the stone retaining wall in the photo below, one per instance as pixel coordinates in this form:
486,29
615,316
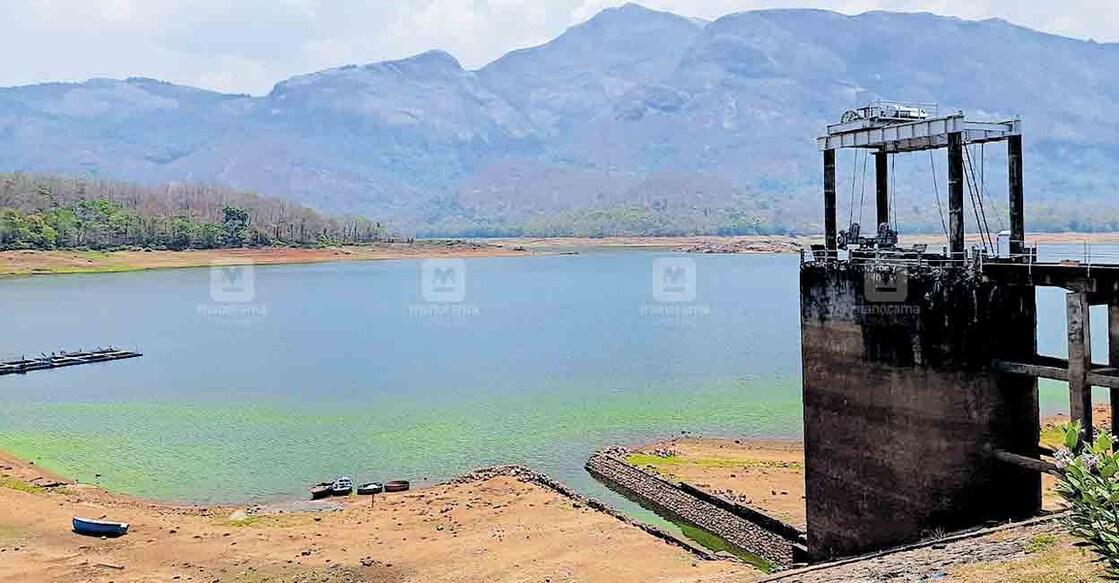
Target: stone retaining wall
732,527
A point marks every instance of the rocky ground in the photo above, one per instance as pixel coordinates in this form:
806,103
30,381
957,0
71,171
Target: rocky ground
1037,553
767,245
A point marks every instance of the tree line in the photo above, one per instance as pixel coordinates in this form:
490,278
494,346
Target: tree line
50,212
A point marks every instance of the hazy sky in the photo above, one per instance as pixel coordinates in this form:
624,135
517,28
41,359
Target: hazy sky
248,45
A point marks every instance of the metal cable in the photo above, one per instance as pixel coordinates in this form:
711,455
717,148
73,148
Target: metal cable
854,175
862,194
974,204
894,192
936,188
981,211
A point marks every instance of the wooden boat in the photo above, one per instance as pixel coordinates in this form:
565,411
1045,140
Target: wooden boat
342,486
370,489
397,486
322,490
92,527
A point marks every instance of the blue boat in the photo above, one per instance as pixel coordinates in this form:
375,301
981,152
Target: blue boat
99,527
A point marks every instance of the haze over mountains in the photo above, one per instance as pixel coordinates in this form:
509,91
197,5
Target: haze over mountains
635,121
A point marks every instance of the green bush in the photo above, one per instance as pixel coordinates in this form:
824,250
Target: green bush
1090,484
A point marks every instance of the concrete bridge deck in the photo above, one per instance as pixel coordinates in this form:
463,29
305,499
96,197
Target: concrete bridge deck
1099,282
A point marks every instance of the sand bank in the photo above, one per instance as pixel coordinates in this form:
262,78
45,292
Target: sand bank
493,529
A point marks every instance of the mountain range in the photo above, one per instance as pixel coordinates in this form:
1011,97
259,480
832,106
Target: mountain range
634,121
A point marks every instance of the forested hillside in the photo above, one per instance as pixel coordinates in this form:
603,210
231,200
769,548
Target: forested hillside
45,212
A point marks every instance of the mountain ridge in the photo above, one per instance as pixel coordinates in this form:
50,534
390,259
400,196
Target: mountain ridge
635,113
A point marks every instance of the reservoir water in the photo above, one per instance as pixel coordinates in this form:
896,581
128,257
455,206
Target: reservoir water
258,382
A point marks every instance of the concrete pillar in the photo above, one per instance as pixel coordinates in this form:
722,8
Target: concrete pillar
1079,361
882,175
830,230
1017,206
956,195
1113,360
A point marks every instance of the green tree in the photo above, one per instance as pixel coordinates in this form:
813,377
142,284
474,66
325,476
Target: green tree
14,233
65,224
235,223
210,236
40,235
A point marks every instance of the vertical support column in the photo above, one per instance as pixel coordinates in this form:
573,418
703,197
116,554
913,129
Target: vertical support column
1113,360
830,230
956,195
1079,361
882,172
1017,190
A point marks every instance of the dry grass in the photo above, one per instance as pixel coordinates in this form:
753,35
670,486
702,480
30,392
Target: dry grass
1048,560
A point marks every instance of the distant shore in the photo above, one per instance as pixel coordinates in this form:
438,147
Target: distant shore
27,262
32,262
764,241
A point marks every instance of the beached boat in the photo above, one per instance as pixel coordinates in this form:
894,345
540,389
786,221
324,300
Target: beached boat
370,489
342,486
92,527
322,490
396,486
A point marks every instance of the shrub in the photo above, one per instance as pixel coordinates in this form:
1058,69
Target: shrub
1090,484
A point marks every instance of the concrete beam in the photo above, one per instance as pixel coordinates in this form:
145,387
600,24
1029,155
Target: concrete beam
1080,361
1057,372
915,136
1058,369
1113,360
1022,461
830,229
882,182
956,195
1017,194
1101,282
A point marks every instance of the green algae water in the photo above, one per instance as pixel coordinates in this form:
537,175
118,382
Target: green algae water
253,387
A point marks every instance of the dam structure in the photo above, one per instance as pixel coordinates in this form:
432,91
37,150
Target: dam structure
920,366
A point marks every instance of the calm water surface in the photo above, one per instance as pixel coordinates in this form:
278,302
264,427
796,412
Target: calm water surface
336,368
348,368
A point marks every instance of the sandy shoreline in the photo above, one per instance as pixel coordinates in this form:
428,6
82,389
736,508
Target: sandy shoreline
481,528
54,262
27,262
489,525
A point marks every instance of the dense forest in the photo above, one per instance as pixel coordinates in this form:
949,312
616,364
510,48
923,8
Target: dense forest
46,212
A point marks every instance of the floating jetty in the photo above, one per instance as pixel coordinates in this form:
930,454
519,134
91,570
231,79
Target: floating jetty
63,359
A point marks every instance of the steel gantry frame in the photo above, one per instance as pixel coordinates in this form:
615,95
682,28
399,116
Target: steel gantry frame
954,132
